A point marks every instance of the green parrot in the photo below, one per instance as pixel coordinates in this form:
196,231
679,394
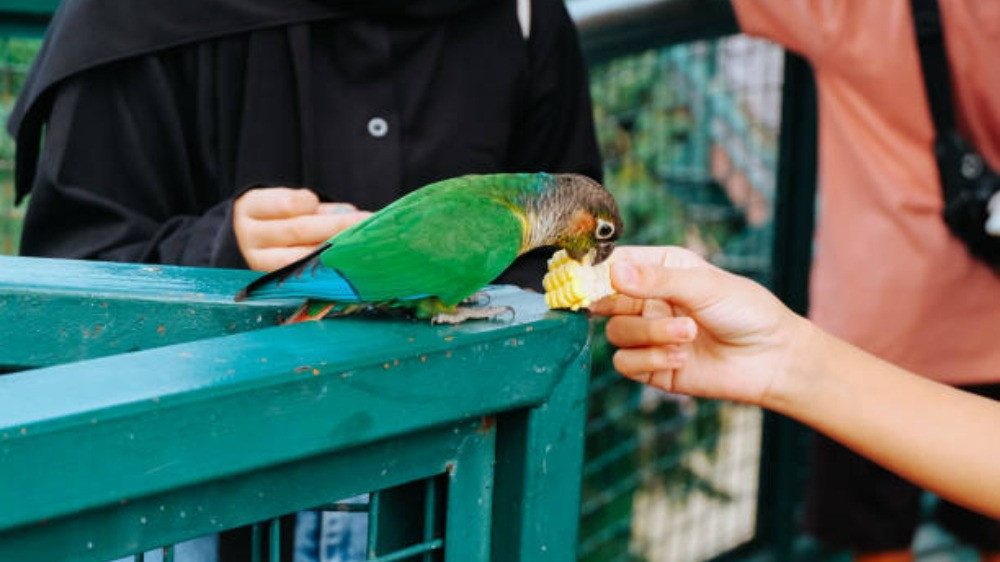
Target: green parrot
434,248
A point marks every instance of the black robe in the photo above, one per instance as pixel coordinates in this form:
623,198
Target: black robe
157,114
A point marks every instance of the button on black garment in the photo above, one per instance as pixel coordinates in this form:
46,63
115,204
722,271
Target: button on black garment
143,156
377,127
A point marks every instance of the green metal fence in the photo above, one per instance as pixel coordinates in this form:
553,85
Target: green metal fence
147,408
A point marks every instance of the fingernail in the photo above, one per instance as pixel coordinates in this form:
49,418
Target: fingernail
335,208
625,274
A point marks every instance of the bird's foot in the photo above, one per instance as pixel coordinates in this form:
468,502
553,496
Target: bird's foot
463,313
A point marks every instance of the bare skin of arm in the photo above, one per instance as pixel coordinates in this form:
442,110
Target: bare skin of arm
688,327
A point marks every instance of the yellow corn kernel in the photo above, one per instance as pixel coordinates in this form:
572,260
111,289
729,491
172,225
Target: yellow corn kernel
575,285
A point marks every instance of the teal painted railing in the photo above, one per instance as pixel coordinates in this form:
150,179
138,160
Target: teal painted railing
143,407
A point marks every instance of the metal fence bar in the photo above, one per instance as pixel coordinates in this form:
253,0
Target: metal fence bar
468,522
621,527
613,28
425,548
28,7
613,454
539,466
109,308
373,524
783,453
274,536
430,514
25,18
260,368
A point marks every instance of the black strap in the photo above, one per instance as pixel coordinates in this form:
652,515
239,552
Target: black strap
934,61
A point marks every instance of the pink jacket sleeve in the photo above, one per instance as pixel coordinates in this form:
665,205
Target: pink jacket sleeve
803,26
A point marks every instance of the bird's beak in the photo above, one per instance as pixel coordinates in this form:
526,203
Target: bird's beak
577,253
603,251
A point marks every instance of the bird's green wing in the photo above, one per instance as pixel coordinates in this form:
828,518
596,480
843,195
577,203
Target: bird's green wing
448,247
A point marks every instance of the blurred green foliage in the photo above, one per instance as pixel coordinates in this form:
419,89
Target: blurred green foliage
16,55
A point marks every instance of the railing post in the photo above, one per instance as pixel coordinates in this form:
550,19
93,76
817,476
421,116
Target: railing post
782,451
538,473
470,495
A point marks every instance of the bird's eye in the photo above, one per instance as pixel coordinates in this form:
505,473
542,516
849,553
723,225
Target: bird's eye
605,229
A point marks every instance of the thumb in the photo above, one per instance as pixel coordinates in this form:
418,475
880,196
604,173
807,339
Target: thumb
692,288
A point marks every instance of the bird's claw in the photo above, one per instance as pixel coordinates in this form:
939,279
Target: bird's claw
479,298
464,313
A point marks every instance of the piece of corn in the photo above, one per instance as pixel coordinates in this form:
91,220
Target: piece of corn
575,285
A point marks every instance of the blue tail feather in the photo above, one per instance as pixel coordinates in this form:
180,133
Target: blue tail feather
318,283
305,278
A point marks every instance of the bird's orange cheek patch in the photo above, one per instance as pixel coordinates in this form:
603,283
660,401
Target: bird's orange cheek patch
582,222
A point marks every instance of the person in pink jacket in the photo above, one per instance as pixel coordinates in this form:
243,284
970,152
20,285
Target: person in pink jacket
887,275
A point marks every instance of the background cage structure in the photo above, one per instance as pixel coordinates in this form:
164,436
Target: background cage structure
689,134
688,119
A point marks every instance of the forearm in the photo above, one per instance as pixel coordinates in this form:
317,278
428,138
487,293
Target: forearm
934,435
205,240
119,178
78,224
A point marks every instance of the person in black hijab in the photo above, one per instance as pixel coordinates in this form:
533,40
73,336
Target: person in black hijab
141,123
153,117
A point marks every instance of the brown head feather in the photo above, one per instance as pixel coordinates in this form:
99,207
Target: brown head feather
577,214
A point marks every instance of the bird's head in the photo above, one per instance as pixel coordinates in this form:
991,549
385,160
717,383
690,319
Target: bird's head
581,217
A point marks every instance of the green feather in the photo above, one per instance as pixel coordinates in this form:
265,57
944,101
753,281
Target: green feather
446,240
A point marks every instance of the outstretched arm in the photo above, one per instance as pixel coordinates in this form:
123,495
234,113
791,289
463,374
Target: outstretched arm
688,327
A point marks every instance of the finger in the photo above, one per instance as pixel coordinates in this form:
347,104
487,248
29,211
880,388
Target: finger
635,331
636,361
660,379
276,203
269,259
656,308
665,380
617,304
692,288
667,256
640,254
301,230
346,220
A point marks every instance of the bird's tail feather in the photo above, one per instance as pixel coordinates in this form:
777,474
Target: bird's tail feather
308,312
281,274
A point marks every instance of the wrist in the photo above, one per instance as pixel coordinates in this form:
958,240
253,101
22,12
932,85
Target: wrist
799,370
